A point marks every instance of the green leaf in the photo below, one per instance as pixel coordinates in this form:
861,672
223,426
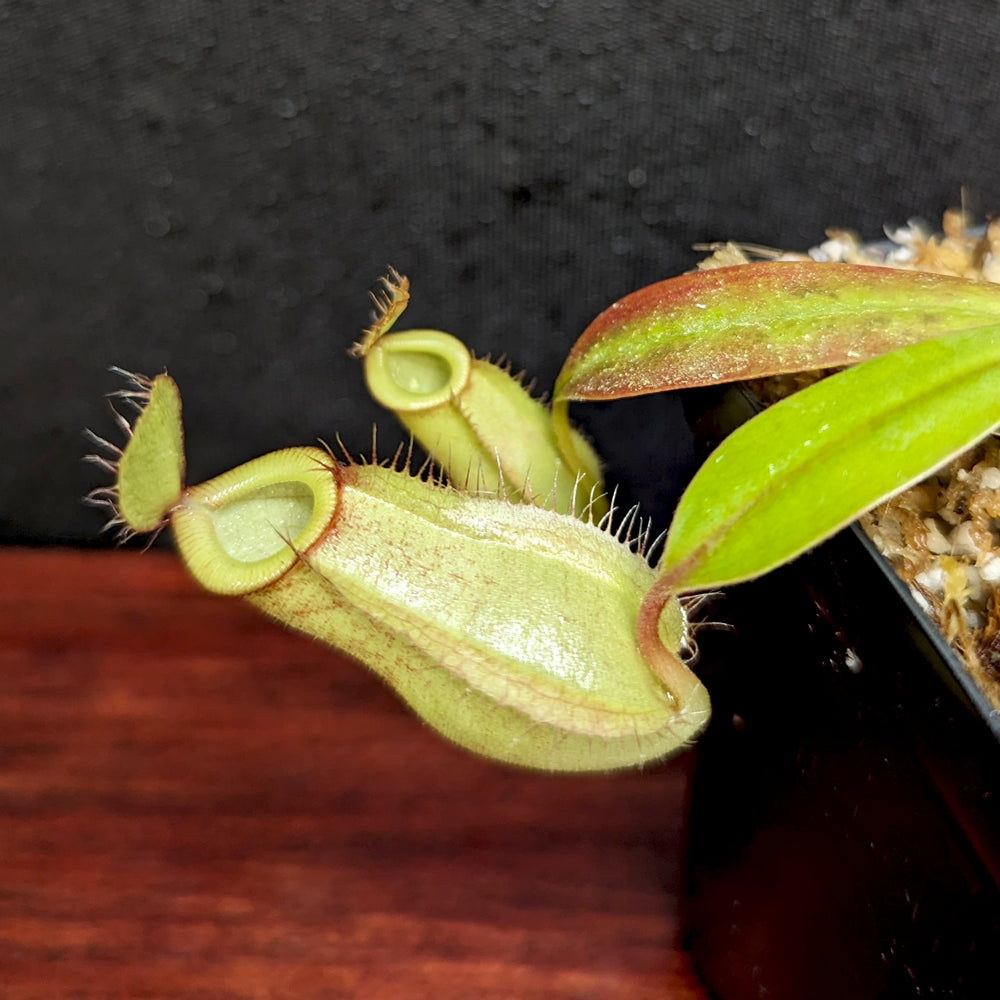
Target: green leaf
761,319
799,471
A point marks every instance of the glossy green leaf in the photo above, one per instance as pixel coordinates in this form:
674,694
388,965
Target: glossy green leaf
805,467
760,319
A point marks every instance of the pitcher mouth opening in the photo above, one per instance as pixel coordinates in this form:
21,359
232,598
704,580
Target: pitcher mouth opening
417,370
242,530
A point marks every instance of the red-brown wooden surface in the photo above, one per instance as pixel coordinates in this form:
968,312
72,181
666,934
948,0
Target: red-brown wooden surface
195,803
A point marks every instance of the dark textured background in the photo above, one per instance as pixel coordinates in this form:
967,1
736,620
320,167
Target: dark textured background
213,187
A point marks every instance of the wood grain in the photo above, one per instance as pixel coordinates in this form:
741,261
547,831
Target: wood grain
195,803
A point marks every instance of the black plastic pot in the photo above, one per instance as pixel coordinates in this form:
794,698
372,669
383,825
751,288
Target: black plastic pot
845,818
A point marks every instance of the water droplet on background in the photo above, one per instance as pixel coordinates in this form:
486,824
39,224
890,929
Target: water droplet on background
636,177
